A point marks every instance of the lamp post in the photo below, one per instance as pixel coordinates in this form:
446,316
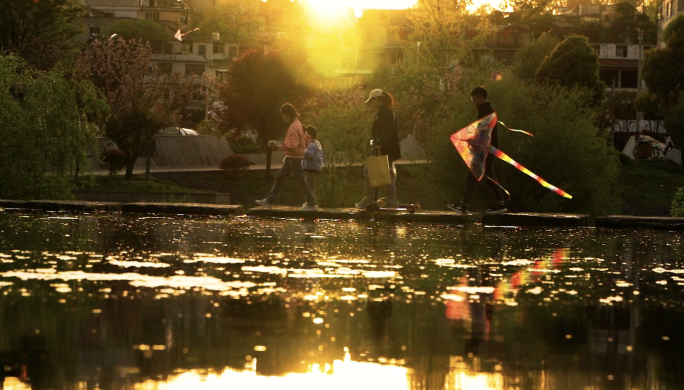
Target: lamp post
638,114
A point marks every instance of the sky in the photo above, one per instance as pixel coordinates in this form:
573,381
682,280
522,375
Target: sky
332,7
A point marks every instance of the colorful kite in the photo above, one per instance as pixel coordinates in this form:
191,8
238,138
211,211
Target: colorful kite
473,144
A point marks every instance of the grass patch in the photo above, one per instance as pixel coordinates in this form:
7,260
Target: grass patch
650,182
136,184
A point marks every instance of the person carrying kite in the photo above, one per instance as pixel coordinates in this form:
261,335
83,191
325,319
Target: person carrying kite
479,140
477,144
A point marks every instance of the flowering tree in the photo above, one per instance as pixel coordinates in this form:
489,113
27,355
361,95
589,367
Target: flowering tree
142,99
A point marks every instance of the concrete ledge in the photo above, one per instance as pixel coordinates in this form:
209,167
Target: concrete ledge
90,207
421,216
536,219
49,205
151,197
182,208
631,222
509,219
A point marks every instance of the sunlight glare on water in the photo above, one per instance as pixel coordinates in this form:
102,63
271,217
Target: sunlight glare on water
107,301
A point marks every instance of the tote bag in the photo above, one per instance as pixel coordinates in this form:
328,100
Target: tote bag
378,171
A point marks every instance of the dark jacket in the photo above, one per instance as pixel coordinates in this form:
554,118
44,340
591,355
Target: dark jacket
385,133
483,111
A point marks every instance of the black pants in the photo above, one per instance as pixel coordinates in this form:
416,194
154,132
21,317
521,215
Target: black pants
471,183
291,165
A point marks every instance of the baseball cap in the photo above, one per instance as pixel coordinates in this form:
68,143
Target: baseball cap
373,94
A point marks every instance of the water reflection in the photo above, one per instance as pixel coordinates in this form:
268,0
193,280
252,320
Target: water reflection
113,302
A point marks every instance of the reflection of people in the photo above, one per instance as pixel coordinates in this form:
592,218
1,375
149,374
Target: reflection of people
379,313
484,108
294,147
385,142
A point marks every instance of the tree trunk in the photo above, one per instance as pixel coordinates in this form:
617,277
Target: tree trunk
129,166
269,156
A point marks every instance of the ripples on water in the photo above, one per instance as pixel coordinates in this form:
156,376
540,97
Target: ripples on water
114,302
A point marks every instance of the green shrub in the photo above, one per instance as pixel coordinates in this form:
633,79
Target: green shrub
624,159
678,203
114,159
245,145
233,165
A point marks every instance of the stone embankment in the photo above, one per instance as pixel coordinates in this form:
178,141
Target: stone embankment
423,216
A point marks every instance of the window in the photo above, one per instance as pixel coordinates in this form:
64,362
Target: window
168,49
152,15
621,51
232,51
94,31
597,48
157,46
628,78
202,50
187,48
219,47
193,69
184,18
165,67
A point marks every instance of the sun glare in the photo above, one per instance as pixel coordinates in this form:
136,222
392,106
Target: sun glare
332,8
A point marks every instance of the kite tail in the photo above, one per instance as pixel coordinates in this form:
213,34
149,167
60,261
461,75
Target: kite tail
496,152
517,130
500,186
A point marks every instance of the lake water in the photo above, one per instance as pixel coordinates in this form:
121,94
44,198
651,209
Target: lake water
120,302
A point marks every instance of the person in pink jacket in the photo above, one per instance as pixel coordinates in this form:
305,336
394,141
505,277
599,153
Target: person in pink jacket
294,147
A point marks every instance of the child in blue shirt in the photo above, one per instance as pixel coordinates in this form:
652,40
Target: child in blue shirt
312,164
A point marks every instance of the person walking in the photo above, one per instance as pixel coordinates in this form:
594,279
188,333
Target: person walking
479,98
312,164
294,147
385,142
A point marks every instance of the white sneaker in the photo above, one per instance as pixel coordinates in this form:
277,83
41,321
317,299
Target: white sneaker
264,203
308,207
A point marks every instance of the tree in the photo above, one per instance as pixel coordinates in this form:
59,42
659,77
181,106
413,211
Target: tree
230,18
621,109
47,125
439,36
144,29
39,31
142,100
573,63
626,23
663,73
336,109
254,88
529,59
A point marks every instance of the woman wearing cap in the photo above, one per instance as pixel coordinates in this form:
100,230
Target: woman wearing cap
385,142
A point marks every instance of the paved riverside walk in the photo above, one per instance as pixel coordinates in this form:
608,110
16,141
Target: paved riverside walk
422,216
